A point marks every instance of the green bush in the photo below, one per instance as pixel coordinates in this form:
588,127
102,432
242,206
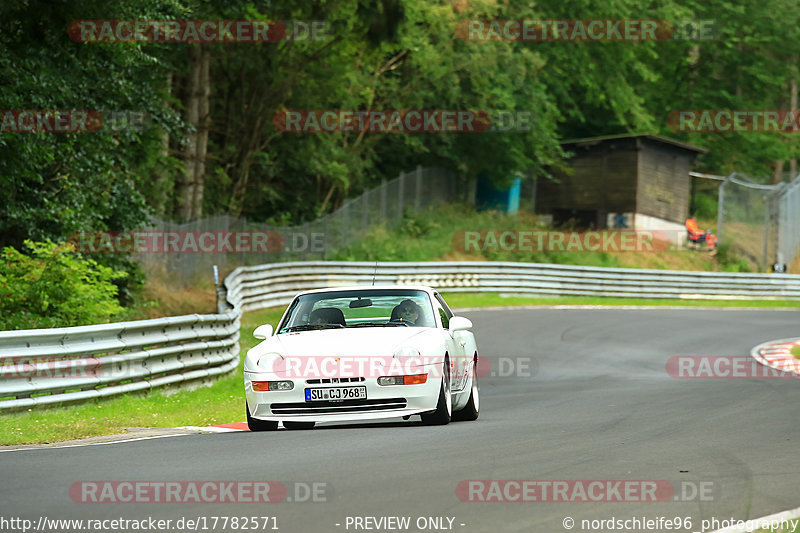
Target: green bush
730,261
705,206
428,236
51,285
415,225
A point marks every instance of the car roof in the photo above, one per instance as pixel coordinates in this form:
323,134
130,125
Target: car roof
358,288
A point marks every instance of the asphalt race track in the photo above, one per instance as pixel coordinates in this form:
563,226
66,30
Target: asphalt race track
584,395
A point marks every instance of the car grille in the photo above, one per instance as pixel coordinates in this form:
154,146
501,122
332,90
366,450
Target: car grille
345,406
333,380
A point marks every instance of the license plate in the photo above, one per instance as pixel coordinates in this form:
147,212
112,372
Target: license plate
326,394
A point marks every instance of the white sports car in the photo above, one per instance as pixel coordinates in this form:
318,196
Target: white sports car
362,353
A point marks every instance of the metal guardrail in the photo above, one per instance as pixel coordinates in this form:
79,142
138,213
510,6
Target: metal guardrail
51,366
61,365
269,285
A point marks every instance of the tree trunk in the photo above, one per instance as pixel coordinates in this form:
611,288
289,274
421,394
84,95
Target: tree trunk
250,141
191,184
777,177
240,186
203,127
161,176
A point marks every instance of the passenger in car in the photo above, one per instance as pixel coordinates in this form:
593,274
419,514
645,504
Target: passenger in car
326,315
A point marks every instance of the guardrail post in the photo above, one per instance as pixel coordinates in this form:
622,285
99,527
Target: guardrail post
418,191
721,207
222,297
383,200
400,195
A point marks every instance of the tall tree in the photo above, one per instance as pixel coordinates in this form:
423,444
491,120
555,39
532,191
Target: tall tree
196,116
53,184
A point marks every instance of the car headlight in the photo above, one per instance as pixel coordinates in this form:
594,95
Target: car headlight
415,379
263,386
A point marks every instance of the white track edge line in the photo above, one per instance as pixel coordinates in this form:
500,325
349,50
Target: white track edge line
134,439
777,517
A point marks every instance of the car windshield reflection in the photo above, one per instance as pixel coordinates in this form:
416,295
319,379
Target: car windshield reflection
359,309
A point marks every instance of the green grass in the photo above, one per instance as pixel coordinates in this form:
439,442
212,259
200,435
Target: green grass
434,235
429,236
223,402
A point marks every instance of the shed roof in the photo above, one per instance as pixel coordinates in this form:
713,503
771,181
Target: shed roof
590,141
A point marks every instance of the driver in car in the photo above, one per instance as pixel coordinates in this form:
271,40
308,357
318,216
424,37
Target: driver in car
408,311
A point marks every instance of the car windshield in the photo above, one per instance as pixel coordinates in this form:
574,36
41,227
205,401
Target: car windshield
359,309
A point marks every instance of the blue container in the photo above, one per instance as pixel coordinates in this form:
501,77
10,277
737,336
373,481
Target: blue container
488,196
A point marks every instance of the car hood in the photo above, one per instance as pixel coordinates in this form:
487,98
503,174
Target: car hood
383,341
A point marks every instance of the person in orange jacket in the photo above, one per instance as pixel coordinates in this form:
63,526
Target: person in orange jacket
696,235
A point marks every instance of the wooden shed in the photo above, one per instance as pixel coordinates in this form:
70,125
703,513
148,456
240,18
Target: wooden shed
621,181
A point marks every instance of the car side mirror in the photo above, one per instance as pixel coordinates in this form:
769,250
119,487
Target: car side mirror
263,331
460,323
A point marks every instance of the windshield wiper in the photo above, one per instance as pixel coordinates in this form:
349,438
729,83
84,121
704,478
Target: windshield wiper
309,327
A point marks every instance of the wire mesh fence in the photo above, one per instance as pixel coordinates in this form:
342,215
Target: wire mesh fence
760,222
230,242
788,223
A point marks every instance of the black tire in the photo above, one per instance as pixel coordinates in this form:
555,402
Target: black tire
298,425
472,409
444,407
259,425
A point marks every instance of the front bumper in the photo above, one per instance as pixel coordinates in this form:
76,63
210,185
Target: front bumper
389,401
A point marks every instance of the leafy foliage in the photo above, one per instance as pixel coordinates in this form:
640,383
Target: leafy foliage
381,55
52,286
372,55
705,206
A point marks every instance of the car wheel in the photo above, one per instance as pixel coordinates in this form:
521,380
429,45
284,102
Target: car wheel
298,425
259,425
444,407
472,409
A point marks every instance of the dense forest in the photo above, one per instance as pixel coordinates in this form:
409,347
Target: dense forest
189,129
